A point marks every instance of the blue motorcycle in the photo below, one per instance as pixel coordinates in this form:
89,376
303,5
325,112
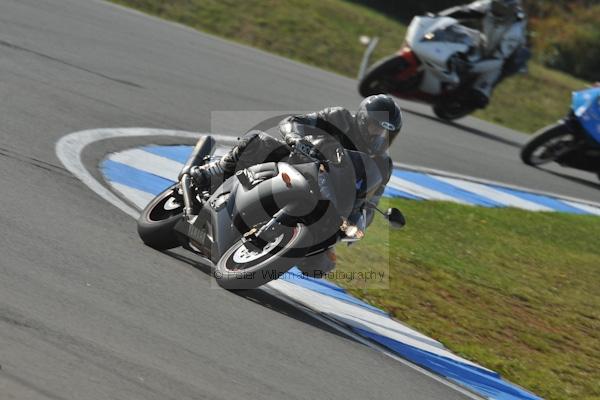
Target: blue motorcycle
572,142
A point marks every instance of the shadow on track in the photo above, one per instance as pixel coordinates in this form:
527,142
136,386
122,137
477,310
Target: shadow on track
581,181
469,129
261,297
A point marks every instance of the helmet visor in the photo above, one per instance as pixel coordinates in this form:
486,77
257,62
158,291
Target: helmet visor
378,135
377,130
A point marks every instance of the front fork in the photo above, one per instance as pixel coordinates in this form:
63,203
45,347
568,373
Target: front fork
201,151
257,238
188,197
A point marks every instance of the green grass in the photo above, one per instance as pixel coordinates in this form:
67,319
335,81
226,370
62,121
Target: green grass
325,33
530,102
517,291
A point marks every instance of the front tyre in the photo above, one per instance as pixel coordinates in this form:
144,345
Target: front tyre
548,145
379,77
242,267
157,221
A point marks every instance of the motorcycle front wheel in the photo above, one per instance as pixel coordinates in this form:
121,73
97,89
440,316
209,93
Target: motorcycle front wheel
157,220
245,267
379,77
548,145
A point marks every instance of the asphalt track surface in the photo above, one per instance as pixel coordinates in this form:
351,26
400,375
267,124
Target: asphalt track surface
86,311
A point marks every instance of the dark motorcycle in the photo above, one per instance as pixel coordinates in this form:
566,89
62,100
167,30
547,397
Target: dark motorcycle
266,218
572,142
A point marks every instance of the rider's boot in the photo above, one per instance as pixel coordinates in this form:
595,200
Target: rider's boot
477,98
210,176
319,265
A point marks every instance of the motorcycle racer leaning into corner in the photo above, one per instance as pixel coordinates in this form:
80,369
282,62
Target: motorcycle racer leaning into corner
503,24
371,130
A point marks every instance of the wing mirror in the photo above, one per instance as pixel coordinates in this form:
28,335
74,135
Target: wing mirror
395,218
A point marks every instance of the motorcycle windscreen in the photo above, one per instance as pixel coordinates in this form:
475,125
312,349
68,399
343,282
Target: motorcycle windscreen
337,186
368,176
586,106
455,34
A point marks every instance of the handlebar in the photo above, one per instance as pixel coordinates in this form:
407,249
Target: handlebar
312,153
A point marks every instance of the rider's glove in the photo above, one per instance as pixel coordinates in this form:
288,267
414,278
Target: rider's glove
351,231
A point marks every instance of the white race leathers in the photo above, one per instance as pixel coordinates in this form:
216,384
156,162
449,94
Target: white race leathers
502,39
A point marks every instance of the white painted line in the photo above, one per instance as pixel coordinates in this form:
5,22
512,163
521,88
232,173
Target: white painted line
360,317
439,172
138,197
494,194
69,148
421,191
366,342
155,164
591,209
169,169
148,162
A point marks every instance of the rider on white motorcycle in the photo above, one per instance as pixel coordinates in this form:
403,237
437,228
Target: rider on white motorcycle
503,24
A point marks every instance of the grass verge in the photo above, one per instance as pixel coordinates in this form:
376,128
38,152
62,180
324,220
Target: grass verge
517,291
325,34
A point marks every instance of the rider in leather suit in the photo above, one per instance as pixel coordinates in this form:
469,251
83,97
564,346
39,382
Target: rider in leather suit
503,24
371,130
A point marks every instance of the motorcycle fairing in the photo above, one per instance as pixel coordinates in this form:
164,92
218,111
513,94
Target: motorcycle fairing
424,35
586,107
237,205
412,63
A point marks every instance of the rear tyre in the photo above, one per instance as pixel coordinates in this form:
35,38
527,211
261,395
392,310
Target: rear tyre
379,77
240,267
548,145
157,221
451,110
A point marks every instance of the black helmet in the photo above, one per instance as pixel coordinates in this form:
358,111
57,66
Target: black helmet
379,120
505,9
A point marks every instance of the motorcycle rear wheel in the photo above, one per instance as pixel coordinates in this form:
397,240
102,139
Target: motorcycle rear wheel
543,147
451,110
241,267
157,220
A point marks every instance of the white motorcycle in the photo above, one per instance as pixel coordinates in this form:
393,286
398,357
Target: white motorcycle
440,59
